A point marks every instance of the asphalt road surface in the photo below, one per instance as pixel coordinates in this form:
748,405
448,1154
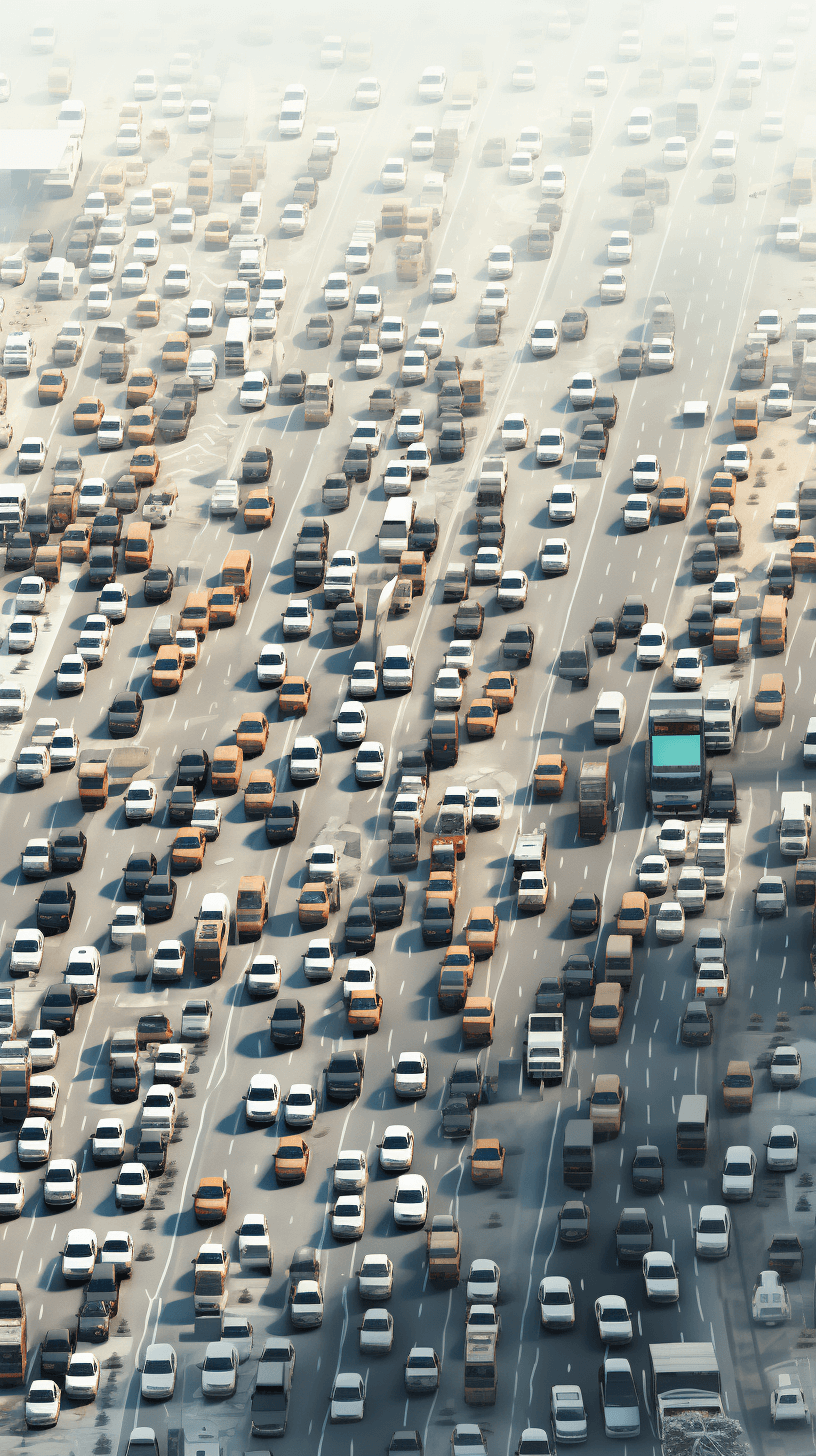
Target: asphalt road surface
717,265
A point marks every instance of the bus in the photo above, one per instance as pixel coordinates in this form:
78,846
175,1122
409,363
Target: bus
675,755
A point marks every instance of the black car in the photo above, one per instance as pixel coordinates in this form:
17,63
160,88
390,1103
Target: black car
405,1443
281,824
573,1221
701,625
457,1118
697,1026
306,191
574,324
125,715
494,151
103,564
159,899
174,420
786,1255
585,914
424,536
193,767
104,1286
448,369
293,386
94,1321
361,927
633,1235
188,389
55,908
551,212
721,795
468,620
575,662
40,244
151,1149
631,359
466,1080
452,439
70,848
382,400
781,578
357,462
344,1076
579,975
604,634
594,432
705,561
139,869
55,1353
518,643
352,337
550,994
125,1081
490,531
79,249
181,803
287,1022
347,622
632,616
605,407
256,465
728,536
158,584
107,527
20,552
387,901
647,1169
403,847
58,1010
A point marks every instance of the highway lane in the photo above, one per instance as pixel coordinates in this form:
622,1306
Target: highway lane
532,1214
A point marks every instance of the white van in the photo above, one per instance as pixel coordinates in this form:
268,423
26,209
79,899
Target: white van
395,528
236,346
57,280
18,354
794,825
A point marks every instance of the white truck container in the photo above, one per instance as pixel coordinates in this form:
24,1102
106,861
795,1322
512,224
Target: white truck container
546,1046
794,825
62,179
722,708
714,854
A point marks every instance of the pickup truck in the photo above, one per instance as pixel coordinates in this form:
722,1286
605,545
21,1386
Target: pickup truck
444,1249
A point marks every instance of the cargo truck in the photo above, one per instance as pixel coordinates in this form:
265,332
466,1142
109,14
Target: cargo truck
714,854
481,1374
722,708
12,1333
685,1380
675,757
594,798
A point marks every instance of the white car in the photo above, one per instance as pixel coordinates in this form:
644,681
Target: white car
411,1075
414,369
347,1396
619,248
430,338
72,674
550,446
99,301
219,1373
738,1174
172,102
143,206
788,1402
637,512
630,46
22,634
393,174
613,1319
270,667
448,688
42,1404
294,219
264,976
652,645
196,1016
337,290
563,505
530,139
779,401
141,801
500,262
292,118
396,1149
134,279
146,247
96,205
127,922
515,432
369,762
582,391
254,1243
512,589
653,875
79,1255
553,180
254,390
128,139
351,723
12,1195
670,923
200,114
300,1105
298,618
423,141
364,680
398,669
102,265
410,426
348,1216
725,592
661,355
34,1141
713,981
177,280
545,339
691,890
737,459
444,285
612,286
375,1277
675,152
376,1332
712,1234
770,1303
483,1282
410,1200
159,1372
168,960
368,92
786,1067
350,1171
789,232
782,1149
523,77
661,1278
43,1048
83,971
687,671
487,564
369,361
27,950
262,1101
460,655
568,1414
61,1185
724,148
520,167
639,127
31,595
556,1300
